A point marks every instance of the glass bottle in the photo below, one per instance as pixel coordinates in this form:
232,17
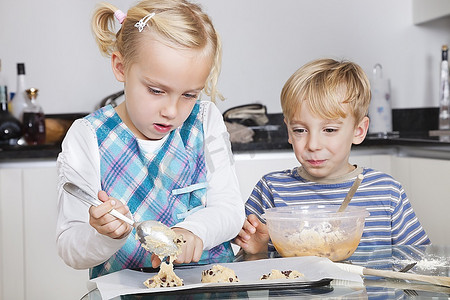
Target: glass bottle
444,116
10,129
20,98
33,120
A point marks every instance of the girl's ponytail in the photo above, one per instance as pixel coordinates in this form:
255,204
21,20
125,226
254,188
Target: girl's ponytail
103,28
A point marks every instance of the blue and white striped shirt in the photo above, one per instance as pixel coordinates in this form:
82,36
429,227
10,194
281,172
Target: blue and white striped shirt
392,220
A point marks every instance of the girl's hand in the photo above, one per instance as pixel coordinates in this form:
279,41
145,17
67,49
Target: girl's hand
191,251
105,223
254,236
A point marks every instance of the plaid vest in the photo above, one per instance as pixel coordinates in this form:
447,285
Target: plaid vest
166,187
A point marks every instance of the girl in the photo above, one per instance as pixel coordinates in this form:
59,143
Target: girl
160,154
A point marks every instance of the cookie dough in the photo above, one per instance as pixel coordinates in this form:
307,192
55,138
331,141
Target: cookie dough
166,277
219,273
323,240
277,274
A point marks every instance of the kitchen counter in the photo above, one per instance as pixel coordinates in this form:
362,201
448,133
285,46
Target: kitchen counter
56,127
412,139
279,140
38,152
410,144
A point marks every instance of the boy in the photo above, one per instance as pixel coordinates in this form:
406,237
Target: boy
325,105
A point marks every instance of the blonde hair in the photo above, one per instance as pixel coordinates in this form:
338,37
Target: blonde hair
325,85
178,23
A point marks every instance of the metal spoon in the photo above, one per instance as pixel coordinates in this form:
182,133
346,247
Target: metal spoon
153,235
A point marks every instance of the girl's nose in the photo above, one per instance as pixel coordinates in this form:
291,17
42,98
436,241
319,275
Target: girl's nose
169,110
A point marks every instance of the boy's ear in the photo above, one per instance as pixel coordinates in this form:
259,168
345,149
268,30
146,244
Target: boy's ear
289,132
361,131
118,66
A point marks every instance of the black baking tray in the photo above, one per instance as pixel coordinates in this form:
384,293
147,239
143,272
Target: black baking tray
238,291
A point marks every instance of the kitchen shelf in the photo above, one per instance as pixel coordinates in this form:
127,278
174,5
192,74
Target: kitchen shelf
428,10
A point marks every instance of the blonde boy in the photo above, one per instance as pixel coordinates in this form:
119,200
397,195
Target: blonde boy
325,105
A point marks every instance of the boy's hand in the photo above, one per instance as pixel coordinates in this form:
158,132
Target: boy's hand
191,251
105,223
254,236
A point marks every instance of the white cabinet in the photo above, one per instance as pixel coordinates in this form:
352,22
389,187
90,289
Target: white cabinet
380,162
30,267
250,167
12,283
427,184
428,10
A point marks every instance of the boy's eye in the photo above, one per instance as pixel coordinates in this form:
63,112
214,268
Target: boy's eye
330,130
299,130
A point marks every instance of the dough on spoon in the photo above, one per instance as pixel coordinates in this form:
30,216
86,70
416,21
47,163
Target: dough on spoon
155,243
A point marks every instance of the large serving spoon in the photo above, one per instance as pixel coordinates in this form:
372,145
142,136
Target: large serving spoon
153,235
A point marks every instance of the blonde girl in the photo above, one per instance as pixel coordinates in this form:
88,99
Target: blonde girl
160,154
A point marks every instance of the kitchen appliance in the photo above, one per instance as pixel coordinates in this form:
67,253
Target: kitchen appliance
111,99
380,111
247,115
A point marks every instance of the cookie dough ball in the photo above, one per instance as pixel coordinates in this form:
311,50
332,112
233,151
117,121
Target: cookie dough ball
219,273
166,277
277,274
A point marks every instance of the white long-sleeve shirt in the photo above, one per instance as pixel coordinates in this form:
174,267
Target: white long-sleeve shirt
81,246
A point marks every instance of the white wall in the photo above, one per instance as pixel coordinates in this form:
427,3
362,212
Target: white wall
264,43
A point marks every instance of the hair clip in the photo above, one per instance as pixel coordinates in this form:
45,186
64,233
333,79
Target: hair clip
120,15
143,22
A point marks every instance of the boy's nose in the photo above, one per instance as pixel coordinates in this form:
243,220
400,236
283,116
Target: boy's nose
314,142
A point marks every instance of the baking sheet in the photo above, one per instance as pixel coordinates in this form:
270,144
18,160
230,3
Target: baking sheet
315,269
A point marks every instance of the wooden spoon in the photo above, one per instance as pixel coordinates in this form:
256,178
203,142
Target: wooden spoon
351,192
438,280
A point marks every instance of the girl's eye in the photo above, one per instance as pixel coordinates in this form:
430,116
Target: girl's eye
155,91
190,96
